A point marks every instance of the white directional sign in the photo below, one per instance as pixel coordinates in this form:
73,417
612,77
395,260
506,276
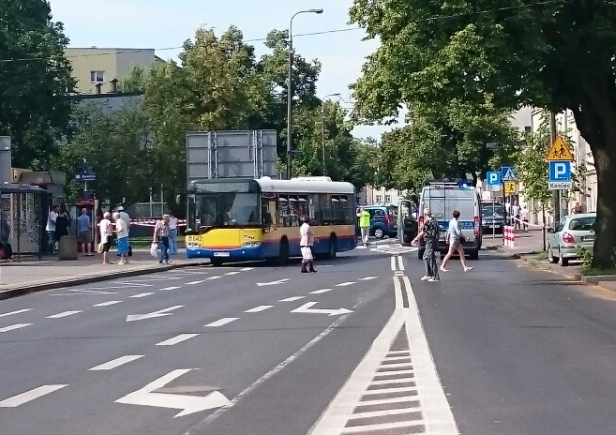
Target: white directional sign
187,404
560,185
159,313
306,308
279,281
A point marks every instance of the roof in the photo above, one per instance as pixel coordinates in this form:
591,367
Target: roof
305,186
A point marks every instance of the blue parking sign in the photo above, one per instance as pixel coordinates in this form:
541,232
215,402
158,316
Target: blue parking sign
560,171
493,178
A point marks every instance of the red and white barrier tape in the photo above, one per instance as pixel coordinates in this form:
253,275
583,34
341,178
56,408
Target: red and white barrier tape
509,236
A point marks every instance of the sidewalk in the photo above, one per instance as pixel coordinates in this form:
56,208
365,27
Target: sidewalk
525,242
18,278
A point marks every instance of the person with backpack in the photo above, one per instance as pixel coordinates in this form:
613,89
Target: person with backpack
429,232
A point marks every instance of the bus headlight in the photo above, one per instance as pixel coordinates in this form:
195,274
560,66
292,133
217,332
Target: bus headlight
251,244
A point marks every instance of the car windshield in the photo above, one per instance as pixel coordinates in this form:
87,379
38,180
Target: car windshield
489,210
582,224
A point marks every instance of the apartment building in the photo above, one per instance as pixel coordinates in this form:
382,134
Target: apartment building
371,195
100,66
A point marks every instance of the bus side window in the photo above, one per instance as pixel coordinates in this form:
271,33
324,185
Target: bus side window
326,209
348,210
337,210
314,209
283,210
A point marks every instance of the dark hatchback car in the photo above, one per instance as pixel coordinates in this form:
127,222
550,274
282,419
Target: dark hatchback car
383,220
493,217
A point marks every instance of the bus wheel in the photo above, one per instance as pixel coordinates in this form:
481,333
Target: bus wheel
333,247
283,255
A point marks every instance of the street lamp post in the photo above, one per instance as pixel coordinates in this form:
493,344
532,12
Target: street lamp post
290,87
323,126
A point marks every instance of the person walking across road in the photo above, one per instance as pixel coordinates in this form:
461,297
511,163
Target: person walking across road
306,242
364,225
161,236
454,240
429,232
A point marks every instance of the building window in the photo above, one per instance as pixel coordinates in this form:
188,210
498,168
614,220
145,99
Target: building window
97,76
379,199
387,199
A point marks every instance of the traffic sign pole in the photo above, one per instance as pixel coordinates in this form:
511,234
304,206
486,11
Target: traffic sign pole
556,196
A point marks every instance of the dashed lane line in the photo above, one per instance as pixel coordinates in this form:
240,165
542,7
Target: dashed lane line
318,292
368,278
13,327
259,309
246,269
142,295
292,299
222,322
232,273
166,289
64,314
117,362
214,277
195,282
20,399
107,304
25,310
344,284
175,340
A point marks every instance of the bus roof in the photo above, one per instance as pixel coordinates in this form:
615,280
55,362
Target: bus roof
304,186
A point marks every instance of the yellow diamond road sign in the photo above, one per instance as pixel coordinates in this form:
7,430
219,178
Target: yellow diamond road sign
510,187
559,151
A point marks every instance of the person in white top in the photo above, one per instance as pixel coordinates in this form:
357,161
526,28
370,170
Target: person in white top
515,213
454,239
306,242
173,234
106,231
50,228
125,217
121,230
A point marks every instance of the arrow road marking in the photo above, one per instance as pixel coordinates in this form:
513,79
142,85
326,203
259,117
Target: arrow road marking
152,315
306,308
279,281
187,404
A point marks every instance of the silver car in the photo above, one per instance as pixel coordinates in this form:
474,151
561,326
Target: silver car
572,232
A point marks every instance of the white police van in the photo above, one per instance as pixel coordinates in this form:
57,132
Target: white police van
442,198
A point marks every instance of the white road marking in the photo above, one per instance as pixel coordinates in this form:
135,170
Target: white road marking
400,263
106,304
214,277
135,284
292,299
13,327
175,340
394,373
368,278
273,372
344,284
390,381
222,322
246,269
25,310
259,309
388,400
307,308
232,273
117,362
437,415
159,313
398,352
166,289
28,396
385,413
64,314
142,295
278,281
384,426
195,282
396,358
393,263
318,292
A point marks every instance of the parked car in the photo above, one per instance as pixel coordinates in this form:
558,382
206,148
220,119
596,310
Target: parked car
493,217
383,220
573,232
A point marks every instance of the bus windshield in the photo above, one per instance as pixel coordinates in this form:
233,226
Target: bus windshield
227,209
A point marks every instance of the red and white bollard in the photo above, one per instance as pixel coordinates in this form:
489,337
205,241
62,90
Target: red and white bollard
509,236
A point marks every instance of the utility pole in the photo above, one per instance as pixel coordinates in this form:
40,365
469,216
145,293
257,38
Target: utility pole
556,193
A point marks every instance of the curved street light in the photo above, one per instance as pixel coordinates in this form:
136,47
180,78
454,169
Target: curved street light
290,87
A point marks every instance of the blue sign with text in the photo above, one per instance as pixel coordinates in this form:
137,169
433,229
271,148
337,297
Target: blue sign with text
560,171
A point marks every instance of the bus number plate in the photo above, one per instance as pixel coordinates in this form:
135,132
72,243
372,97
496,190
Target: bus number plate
221,254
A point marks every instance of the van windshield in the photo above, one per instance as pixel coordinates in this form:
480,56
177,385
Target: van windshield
488,211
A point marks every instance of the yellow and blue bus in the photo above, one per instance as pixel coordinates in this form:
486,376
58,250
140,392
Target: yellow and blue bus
258,219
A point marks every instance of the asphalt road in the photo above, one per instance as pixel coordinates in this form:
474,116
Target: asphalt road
363,346
72,363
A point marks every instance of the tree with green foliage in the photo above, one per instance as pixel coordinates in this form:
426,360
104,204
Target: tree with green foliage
552,54
36,80
118,148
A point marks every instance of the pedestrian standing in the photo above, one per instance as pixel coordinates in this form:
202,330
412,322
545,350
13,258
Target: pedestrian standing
454,240
84,225
51,229
306,242
364,225
173,234
106,233
161,236
429,232
121,230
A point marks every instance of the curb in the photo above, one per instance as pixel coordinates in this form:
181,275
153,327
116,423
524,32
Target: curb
73,282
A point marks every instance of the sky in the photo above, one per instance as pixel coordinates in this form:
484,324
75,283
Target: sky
165,25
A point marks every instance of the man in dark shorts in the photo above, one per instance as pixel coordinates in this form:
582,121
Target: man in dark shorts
429,232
